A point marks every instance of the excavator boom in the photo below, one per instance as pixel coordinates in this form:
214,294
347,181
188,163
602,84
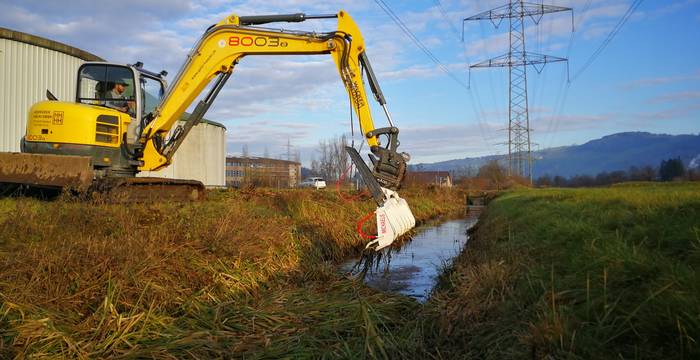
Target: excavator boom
226,43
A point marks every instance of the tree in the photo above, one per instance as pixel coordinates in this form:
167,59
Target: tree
460,172
333,159
646,173
617,176
559,181
671,169
493,172
544,181
582,181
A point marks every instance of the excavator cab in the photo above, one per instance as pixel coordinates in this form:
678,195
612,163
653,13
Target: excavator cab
129,89
70,144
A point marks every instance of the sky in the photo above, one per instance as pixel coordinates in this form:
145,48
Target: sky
646,79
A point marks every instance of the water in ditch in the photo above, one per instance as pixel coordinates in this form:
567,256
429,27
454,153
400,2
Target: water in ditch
413,269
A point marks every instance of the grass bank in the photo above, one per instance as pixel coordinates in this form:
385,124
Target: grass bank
577,274
243,274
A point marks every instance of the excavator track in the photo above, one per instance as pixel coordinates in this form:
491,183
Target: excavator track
147,189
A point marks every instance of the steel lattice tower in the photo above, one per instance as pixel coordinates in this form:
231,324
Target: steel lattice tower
516,60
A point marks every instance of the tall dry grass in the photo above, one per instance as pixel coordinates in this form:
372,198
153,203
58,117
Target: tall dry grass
244,274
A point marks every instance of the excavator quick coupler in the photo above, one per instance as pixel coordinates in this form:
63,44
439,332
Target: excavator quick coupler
389,165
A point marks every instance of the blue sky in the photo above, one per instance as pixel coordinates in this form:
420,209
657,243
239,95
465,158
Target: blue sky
646,79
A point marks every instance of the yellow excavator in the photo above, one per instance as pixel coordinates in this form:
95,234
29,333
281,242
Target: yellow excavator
123,116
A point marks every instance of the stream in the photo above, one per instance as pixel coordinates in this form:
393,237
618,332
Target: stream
413,269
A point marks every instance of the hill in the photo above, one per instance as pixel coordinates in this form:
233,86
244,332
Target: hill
613,152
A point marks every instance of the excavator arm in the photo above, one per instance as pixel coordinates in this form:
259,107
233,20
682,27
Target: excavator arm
223,45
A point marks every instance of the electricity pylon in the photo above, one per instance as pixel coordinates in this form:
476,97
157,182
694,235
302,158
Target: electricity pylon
517,60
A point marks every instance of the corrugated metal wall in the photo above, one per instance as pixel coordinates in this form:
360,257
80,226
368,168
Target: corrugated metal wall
26,71
200,157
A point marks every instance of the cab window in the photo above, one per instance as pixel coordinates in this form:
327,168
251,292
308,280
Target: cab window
151,94
97,85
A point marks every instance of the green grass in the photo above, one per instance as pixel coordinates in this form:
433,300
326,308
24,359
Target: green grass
578,274
247,274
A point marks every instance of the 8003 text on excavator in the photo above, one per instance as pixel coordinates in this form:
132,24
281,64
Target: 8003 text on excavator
99,142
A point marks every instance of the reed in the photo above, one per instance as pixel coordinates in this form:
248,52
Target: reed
244,274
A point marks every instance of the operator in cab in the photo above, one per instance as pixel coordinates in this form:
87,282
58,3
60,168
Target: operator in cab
121,103
117,92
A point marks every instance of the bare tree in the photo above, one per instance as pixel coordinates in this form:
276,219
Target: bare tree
494,173
333,159
341,159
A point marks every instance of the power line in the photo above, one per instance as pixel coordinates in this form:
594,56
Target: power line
447,19
633,7
418,43
560,108
434,58
473,93
565,86
494,103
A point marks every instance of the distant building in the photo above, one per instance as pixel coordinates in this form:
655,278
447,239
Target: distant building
437,178
262,172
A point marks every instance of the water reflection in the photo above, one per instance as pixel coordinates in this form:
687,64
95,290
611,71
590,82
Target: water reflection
413,269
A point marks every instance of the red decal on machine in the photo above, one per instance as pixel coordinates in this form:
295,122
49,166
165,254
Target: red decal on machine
382,223
260,41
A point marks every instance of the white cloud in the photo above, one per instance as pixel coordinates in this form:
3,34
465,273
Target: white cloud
662,80
411,72
695,163
672,113
680,96
673,7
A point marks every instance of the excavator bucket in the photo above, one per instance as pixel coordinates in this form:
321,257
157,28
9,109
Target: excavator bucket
43,171
394,217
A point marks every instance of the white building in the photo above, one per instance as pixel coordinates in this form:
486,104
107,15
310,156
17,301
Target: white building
29,65
202,156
